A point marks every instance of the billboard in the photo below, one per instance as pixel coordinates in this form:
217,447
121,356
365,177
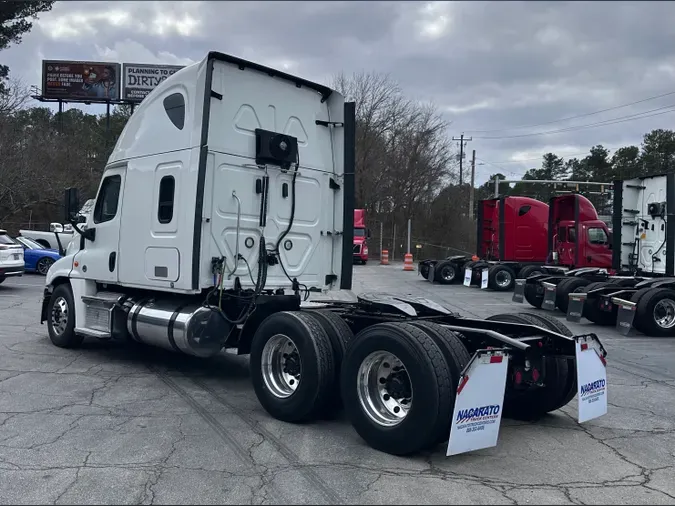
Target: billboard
81,81
139,79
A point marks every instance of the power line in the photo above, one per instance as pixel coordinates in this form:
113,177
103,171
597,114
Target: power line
614,121
569,155
575,117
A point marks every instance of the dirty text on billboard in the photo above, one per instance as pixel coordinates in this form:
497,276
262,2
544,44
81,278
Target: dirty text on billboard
140,79
81,81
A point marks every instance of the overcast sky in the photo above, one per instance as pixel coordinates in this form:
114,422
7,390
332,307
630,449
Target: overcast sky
489,66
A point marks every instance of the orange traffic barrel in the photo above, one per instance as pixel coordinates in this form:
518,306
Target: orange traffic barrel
408,262
384,257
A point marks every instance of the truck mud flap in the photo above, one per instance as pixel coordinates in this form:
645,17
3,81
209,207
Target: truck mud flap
479,402
624,316
484,278
549,296
575,308
431,273
468,273
469,276
519,291
591,377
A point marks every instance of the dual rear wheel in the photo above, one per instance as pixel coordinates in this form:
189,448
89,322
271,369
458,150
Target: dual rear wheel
396,381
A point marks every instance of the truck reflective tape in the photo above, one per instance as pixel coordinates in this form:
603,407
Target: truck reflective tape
591,380
478,411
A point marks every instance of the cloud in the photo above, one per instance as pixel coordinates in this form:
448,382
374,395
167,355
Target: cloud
487,65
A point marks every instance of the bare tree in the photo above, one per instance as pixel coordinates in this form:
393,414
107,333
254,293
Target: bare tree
16,96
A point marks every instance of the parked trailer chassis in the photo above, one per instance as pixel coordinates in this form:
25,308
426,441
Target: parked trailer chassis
407,370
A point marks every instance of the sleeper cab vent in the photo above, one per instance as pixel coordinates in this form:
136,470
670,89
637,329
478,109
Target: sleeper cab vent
174,105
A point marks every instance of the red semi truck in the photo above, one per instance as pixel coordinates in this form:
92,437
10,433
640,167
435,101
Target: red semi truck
361,234
519,236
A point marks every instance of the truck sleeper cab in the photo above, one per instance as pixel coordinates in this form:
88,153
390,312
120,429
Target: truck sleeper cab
227,200
642,293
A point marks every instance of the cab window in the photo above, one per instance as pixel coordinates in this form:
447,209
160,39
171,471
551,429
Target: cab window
572,234
523,210
597,236
108,199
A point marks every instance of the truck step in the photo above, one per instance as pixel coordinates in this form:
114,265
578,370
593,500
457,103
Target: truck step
98,314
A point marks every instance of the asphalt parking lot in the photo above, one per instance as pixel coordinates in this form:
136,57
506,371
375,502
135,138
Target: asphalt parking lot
108,424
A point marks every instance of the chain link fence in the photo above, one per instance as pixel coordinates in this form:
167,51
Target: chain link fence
395,240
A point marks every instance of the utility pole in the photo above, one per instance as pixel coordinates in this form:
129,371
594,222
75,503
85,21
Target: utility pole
462,141
473,175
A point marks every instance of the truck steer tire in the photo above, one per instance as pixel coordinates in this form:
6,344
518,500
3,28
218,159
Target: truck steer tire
655,313
339,334
501,278
592,310
560,380
445,272
292,366
61,318
534,294
563,290
396,388
528,270
456,355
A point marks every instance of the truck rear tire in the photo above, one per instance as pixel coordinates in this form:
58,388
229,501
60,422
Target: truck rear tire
655,313
292,366
563,290
560,380
501,278
534,294
592,310
339,334
445,272
61,318
456,355
374,388
528,270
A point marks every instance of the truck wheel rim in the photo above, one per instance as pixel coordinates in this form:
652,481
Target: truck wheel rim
384,388
281,366
502,278
43,266
664,313
448,273
60,316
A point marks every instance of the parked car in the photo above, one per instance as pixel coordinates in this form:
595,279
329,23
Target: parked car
37,258
11,257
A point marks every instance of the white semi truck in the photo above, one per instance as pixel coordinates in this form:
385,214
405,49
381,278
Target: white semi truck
641,292
227,200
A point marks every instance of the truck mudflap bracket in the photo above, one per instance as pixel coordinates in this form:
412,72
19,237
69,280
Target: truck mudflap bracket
479,402
431,272
591,377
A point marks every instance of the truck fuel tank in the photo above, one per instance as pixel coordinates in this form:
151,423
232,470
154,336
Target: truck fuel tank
191,329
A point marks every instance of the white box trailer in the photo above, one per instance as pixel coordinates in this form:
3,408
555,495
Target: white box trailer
227,199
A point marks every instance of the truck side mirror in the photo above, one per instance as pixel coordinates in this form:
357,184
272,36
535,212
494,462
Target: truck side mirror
368,233
71,204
